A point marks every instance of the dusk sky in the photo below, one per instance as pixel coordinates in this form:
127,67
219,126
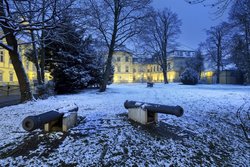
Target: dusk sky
195,19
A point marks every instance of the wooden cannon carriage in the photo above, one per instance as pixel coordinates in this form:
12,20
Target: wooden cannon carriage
60,119
148,112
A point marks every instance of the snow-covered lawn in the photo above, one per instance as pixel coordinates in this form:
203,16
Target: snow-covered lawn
208,134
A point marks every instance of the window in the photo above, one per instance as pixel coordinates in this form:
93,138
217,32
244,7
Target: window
20,49
170,66
1,76
11,77
126,58
127,69
119,69
118,59
157,68
154,68
134,70
1,56
34,67
27,65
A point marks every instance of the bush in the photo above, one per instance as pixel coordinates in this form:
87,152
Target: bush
46,90
189,77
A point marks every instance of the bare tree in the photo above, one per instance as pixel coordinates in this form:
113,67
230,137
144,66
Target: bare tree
15,20
160,33
216,46
240,21
196,62
9,34
220,6
115,22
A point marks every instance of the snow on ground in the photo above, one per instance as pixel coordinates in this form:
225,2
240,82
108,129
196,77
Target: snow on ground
208,134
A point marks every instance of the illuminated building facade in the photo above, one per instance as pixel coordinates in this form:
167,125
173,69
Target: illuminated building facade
130,70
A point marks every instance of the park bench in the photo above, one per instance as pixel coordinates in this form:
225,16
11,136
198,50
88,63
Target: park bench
60,119
145,113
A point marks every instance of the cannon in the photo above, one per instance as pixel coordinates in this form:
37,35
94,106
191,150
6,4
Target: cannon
64,118
148,112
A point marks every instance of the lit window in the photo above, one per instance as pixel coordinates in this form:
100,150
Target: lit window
11,77
1,56
1,76
127,69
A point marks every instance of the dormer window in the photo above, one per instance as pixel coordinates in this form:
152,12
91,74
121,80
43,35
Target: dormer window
126,58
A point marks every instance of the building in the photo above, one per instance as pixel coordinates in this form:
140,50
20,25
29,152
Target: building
7,72
229,73
129,69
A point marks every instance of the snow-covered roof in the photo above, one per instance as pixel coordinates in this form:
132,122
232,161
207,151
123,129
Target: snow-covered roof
230,66
182,53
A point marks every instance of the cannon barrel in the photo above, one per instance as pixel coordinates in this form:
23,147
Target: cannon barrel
155,108
31,123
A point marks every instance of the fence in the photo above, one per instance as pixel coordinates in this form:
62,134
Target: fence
7,89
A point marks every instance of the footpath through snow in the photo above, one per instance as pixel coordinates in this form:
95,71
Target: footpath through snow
208,133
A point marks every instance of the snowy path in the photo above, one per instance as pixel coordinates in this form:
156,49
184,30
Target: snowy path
208,133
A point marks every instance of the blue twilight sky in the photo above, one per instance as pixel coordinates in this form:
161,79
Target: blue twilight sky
195,20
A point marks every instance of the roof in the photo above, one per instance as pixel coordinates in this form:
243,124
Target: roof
181,53
123,49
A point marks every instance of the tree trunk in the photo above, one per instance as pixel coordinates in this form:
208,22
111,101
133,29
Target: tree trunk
104,83
165,68
218,74
38,70
106,75
25,90
42,62
165,76
248,78
219,56
23,81
247,53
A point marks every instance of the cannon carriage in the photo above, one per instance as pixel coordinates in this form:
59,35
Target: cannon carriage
148,112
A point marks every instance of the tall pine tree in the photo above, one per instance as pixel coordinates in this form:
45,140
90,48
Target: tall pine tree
70,61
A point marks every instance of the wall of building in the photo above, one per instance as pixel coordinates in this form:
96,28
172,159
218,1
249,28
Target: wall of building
127,71
226,77
7,72
122,62
231,77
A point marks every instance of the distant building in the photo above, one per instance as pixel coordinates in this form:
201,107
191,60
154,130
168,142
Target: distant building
229,73
129,69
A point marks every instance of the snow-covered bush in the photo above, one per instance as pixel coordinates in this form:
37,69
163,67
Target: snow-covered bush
189,77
